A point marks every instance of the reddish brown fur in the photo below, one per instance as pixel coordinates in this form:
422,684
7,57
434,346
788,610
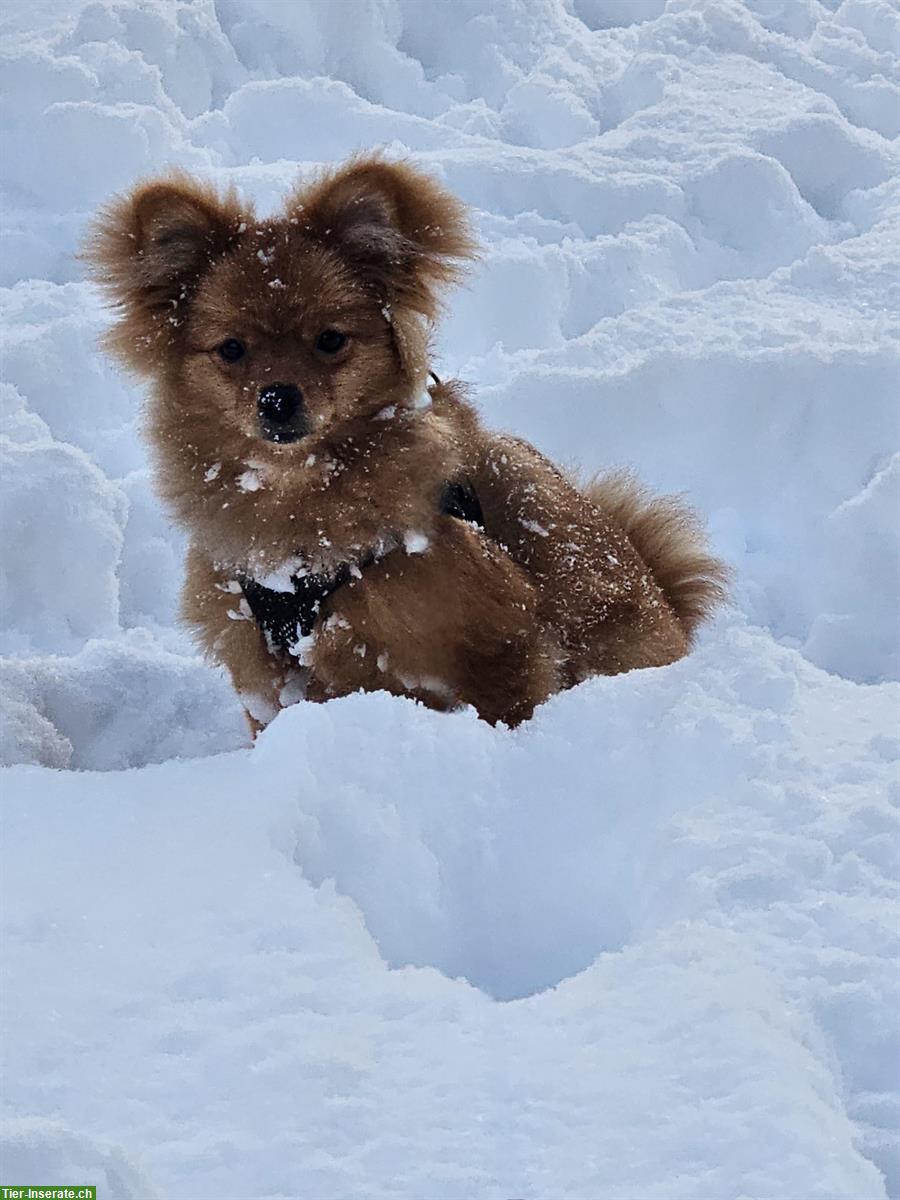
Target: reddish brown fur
669,538
563,583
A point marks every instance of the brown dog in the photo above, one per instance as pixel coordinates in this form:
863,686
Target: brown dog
352,527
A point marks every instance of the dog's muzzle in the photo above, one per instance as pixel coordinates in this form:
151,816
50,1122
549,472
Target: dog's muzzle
281,413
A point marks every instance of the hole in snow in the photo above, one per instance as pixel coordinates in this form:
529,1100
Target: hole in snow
612,14
492,914
466,849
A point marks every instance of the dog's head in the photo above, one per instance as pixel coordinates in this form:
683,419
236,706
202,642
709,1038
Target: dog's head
288,328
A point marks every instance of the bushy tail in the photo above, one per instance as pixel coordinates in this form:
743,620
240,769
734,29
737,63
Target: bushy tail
668,536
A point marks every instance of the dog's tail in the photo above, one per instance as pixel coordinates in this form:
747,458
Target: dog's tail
668,536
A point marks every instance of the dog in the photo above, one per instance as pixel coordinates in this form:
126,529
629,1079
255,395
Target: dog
352,524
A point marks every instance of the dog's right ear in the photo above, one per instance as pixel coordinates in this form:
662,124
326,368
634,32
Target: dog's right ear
148,250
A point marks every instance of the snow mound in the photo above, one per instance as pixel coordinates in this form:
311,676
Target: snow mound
29,1148
391,953
118,703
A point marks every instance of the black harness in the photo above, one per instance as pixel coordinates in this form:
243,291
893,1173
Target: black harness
285,617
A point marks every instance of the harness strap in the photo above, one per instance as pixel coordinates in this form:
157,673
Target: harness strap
459,499
285,617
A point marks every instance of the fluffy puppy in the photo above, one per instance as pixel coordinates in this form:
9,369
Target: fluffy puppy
351,525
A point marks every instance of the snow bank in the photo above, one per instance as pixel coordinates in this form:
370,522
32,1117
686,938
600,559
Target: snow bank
50,592
643,946
723,858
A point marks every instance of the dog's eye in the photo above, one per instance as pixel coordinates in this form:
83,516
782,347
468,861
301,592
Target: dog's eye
330,341
232,349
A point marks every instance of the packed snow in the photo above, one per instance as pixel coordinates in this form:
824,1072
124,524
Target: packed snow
643,947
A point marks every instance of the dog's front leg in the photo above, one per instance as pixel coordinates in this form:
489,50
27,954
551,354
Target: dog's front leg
213,605
451,623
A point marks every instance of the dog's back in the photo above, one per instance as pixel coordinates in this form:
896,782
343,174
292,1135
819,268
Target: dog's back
624,577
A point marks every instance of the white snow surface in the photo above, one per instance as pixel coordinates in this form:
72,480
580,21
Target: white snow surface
643,947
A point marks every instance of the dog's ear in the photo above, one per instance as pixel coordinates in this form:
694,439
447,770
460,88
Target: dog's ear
148,250
399,229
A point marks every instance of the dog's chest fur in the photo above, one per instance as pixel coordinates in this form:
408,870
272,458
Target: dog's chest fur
336,501
287,616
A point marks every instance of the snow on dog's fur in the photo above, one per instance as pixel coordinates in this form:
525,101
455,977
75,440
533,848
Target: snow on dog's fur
294,433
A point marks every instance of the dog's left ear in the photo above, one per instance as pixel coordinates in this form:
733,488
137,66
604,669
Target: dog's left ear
399,229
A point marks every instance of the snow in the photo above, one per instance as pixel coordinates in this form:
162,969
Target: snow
726,999
249,481
415,542
645,945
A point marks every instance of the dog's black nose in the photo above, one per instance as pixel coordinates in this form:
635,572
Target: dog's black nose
281,413
279,403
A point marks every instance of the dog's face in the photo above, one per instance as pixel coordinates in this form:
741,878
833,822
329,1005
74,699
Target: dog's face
284,344
270,336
